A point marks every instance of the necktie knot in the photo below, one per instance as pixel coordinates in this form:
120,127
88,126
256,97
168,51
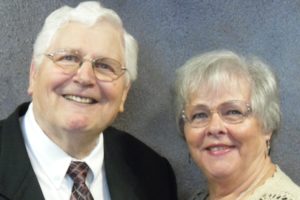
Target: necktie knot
78,171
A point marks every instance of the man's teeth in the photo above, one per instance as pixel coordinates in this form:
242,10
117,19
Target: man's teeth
78,99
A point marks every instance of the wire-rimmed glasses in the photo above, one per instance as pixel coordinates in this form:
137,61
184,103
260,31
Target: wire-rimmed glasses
105,69
232,112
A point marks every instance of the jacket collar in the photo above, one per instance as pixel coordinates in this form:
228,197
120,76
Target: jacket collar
18,180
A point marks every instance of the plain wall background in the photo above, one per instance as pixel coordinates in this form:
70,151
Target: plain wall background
169,32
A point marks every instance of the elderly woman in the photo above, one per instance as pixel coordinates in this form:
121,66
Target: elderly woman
228,110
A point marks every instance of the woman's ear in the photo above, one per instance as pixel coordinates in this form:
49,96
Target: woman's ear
268,143
268,136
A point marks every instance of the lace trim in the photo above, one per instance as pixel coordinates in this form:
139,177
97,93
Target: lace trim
266,196
277,196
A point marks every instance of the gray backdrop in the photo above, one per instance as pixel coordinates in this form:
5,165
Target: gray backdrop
169,32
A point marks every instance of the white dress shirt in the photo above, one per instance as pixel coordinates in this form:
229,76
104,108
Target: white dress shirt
50,163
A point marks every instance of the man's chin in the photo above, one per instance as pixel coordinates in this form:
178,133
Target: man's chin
77,125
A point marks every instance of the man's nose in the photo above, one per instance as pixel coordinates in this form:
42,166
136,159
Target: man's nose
85,74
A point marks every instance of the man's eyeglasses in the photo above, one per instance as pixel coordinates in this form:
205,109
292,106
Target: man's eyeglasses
232,112
105,69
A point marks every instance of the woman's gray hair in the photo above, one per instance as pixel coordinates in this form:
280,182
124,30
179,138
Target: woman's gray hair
87,13
211,69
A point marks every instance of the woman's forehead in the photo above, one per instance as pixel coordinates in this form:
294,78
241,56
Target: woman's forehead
235,89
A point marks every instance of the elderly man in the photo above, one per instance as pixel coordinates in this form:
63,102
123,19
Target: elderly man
60,145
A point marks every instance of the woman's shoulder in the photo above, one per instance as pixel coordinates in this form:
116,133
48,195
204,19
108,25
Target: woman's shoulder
279,186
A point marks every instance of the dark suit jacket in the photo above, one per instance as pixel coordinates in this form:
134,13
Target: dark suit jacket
133,170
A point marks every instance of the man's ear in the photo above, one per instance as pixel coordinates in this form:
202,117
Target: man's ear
124,97
32,77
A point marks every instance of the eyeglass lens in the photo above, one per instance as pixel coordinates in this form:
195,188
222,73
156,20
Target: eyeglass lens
106,69
231,112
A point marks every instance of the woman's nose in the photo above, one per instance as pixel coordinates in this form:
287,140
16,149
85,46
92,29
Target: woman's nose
215,126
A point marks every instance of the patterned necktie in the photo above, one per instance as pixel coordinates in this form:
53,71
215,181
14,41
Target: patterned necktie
78,171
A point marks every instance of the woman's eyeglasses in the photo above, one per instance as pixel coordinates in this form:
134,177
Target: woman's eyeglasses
232,112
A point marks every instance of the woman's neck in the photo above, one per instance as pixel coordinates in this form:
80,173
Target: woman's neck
238,188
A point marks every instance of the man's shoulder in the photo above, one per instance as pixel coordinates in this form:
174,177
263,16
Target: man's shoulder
11,123
13,118
123,137
18,112
125,155
128,144
114,133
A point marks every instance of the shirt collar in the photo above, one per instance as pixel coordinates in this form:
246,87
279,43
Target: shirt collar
53,161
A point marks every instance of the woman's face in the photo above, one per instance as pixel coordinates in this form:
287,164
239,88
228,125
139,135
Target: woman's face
223,150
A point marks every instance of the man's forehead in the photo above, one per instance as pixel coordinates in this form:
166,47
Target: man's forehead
100,36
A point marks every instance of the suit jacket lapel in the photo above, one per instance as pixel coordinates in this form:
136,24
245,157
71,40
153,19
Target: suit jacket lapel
17,178
121,180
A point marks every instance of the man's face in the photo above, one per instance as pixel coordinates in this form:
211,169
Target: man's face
78,103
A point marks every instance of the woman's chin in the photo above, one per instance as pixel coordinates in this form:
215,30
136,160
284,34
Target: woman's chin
219,174
219,171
